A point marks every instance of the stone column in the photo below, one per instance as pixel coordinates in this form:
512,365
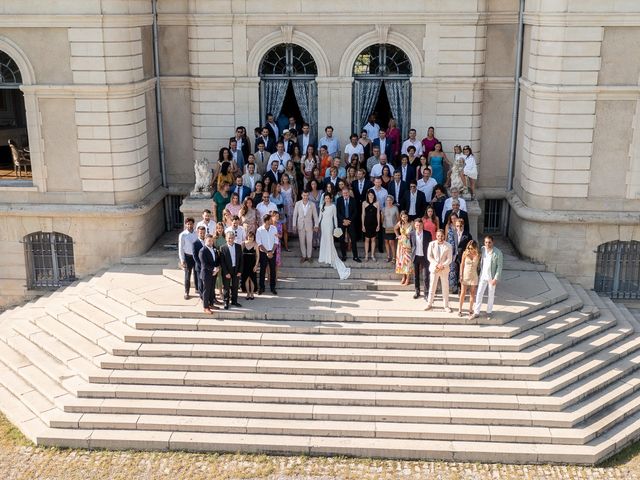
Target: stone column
334,106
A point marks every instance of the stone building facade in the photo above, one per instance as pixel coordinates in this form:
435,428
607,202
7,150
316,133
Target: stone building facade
100,176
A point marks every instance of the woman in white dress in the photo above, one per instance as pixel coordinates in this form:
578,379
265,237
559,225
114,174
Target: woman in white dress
328,220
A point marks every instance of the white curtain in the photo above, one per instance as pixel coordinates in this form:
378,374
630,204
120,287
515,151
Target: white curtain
398,95
301,89
366,97
274,92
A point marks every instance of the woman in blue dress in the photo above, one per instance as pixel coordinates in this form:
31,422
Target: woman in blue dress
439,162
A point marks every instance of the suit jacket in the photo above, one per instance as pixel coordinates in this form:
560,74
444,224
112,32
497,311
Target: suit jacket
462,244
207,262
246,179
269,144
197,246
391,188
426,240
327,181
246,147
288,146
421,202
302,221
244,192
262,166
387,148
496,263
461,214
272,132
275,177
361,197
411,173
226,266
434,258
343,214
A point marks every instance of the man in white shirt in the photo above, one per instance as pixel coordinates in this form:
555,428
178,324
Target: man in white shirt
185,255
412,141
382,142
210,227
281,156
274,132
372,127
236,229
353,148
250,178
332,143
455,195
439,257
490,273
376,171
426,184
266,206
266,239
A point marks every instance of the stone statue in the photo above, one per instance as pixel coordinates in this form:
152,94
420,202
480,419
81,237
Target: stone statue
203,178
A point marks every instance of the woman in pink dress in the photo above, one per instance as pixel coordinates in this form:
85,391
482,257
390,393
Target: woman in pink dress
393,134
234,206
429,142
430,222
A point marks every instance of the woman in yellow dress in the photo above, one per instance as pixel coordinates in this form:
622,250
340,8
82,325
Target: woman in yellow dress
404,265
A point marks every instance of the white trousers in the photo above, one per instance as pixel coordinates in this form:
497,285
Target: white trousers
306,237
482,286
443,277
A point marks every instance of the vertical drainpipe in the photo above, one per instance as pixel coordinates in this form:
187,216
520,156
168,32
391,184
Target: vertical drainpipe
516,109
159,121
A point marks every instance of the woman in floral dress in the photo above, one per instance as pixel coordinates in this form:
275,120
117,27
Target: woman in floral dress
404,265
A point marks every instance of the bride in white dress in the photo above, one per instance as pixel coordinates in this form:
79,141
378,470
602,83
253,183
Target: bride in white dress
328,220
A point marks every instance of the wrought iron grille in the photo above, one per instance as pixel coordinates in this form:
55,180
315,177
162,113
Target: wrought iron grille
9,72
174,215
49,259
493,215
618,269
382,60
288,60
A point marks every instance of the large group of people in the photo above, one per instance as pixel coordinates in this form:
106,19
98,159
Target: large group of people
402,198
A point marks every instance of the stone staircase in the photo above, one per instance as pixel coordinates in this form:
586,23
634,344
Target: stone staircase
328,367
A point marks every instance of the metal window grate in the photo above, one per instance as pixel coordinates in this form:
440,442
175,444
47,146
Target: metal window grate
49,259
173,213
493,215
618,269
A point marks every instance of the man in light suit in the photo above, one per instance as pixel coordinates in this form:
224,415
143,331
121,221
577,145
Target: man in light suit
347,220
250,178
420,240
231,268
305,221
262,156
439,257
210,265
490,273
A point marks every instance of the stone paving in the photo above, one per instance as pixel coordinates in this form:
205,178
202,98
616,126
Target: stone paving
21,460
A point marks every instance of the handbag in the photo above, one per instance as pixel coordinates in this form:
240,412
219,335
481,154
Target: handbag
337,232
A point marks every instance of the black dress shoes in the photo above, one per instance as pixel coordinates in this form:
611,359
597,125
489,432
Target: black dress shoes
236,304
416,295
226,306
275,292
357,259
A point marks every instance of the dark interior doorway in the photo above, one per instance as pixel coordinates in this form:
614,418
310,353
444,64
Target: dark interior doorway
382,108
290,107
13,125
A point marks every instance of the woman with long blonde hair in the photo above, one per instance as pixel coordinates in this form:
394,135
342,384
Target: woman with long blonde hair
469,275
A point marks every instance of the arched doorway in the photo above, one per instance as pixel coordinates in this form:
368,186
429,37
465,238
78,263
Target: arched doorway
287,85
13,122
382,86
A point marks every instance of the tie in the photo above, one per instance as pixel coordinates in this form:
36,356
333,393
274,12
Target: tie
261,156
346,207
361,185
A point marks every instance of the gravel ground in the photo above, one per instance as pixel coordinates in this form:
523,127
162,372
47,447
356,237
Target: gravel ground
19,459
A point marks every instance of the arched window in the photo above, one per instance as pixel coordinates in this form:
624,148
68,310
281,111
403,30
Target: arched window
382,60
14,142
382,87
49,259
288,60
288,88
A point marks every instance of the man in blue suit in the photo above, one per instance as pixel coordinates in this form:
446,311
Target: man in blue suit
384,144
242,191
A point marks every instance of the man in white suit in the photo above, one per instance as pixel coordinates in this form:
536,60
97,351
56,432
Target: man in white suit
305,221
250,178
440,256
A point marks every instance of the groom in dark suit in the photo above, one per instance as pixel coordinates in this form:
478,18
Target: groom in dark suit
347,216
420,238
231,267
209,266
